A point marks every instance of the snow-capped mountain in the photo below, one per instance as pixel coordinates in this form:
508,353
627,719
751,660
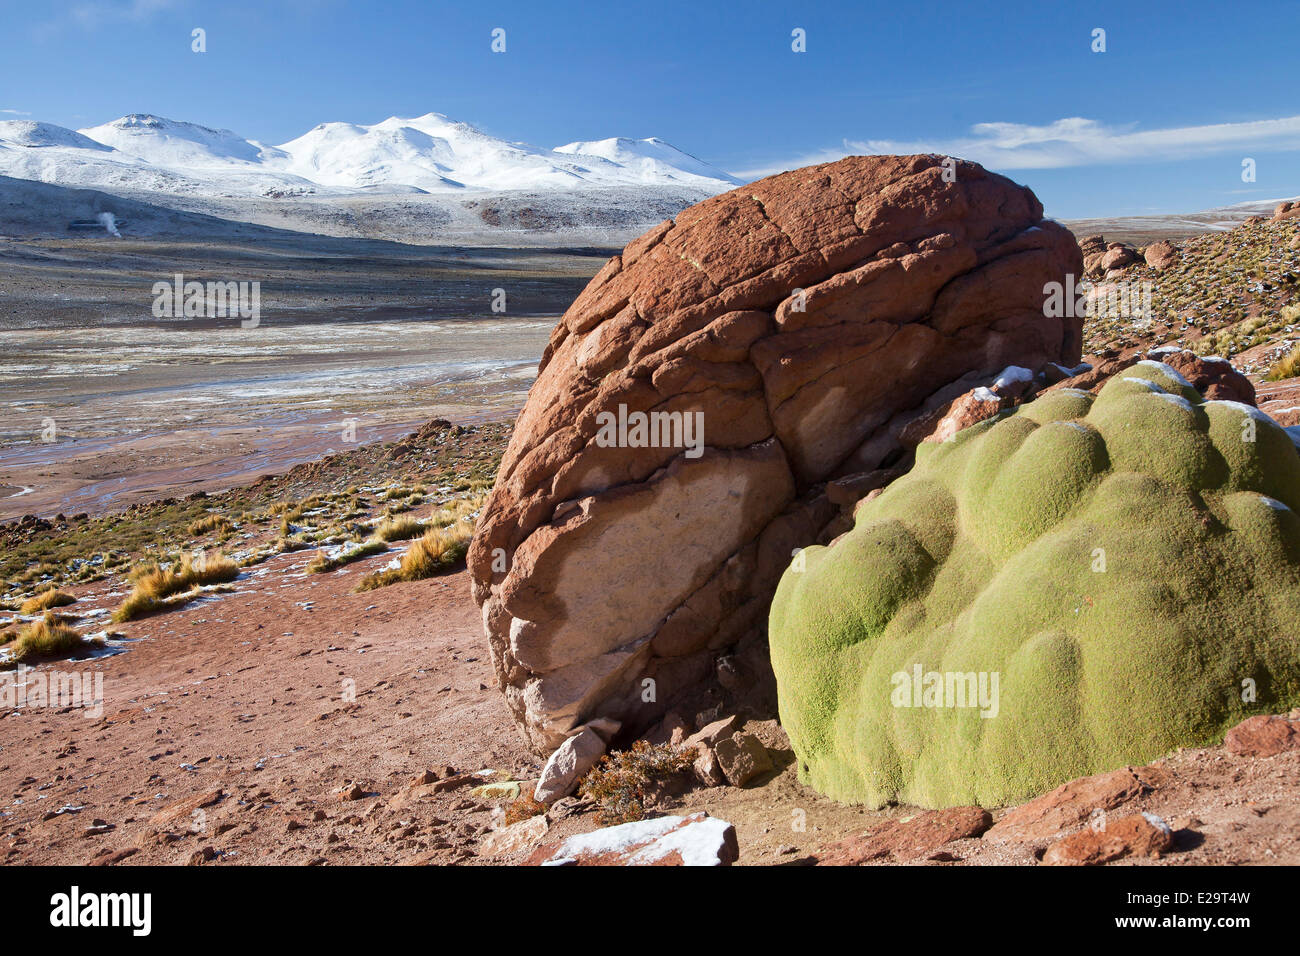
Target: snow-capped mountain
652,159
164,142
429,153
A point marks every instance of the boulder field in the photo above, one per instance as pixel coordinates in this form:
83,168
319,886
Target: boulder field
700,393
1084,582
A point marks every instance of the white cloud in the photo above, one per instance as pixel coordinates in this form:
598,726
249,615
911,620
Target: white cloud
1075,142
16,112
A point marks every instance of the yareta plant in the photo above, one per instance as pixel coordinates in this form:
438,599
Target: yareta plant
1077,585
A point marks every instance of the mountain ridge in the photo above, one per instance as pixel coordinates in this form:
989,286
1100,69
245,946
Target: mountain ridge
430,153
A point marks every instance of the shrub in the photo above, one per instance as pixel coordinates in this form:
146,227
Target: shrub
522,808
625,782
437,551
399,529
1070,588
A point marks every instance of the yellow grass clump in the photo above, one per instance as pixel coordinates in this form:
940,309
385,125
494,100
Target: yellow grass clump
1288,366
157,587
52,597
49,637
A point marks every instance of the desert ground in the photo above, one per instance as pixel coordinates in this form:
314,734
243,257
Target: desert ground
284,715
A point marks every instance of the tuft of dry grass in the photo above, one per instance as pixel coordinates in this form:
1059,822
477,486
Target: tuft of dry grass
155,585
214,522
399,529
437,551
323,562
1288,366
624,782
49,637
52,597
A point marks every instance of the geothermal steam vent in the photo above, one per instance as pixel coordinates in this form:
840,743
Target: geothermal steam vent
784,332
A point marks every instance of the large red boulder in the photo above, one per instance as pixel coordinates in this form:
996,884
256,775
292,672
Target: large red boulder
783,334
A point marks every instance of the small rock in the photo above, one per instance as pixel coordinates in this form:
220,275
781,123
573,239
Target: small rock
697,840
706,766
1071,803
571,760
1140,834
1263,736
517,836
710,734
742,758
912,839
604,727
353,792
205,855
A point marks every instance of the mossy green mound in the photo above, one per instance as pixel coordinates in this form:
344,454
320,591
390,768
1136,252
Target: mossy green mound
1078,585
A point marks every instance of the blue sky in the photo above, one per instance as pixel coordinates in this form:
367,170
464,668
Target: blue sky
1160,122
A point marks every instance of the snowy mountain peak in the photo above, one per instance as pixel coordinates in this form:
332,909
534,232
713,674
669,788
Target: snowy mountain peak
429,153
34,134
172,143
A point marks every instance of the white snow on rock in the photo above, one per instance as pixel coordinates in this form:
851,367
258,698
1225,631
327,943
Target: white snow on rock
1168,370
697,840
1243,408
1013,373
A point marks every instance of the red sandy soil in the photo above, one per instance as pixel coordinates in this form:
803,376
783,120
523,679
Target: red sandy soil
234,706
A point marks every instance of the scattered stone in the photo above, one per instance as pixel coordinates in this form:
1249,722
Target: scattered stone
710,734
697,840
706,767
1139,834
671,730
1263,736
742,758
517,836
604,727
1072,803
205,855
571,760
113,857
907,840
354,792
184,809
